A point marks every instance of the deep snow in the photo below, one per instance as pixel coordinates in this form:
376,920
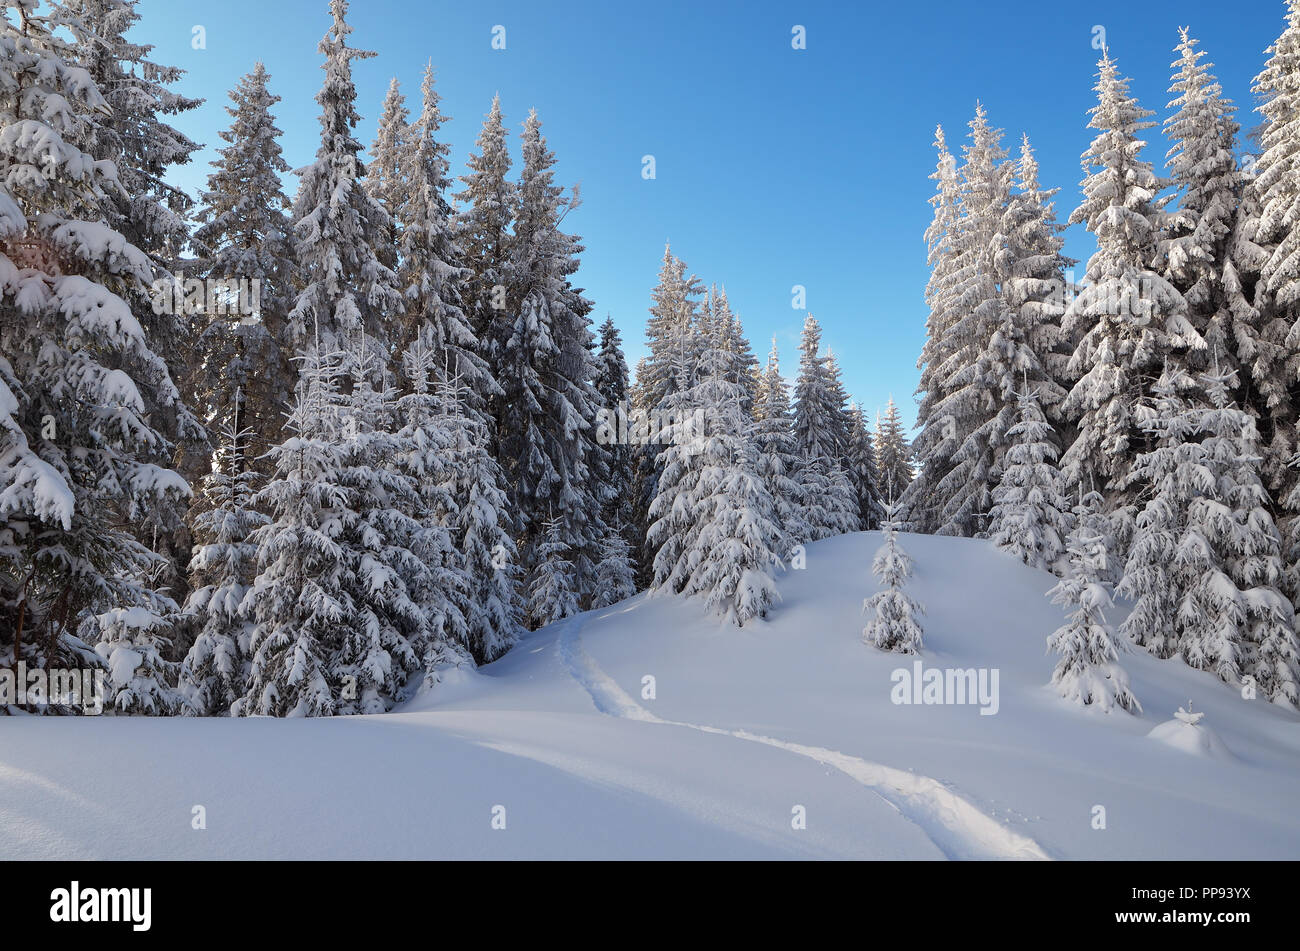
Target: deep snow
747,730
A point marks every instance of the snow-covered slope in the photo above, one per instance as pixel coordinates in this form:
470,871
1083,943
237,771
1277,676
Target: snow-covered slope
748,732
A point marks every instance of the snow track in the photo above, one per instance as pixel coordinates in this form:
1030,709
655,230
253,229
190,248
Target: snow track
956,826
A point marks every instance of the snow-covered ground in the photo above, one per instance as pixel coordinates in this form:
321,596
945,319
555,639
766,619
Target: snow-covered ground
775,741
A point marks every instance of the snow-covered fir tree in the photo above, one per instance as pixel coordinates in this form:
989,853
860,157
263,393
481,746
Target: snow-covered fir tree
1032,273
338,227
427,451
1088,671
481,529
839,399
339,625
744,365
1290,527
389,550
1128,319
996,297
619,504
1270,236
214,673
551,596
483,225
778,460
1233,618
1031,516
1151,577
860,462
386,179
1207,559
79,456
299,602
977,400
132,130
1196,250
936,438
895,616
432,274
672,339
615,572
673,345
829,503
547,427
893,457
714,526
244,235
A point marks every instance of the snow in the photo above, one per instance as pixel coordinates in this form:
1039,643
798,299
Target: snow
744,730
123,663
1191,738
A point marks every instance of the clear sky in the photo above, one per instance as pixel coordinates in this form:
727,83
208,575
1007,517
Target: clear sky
775,167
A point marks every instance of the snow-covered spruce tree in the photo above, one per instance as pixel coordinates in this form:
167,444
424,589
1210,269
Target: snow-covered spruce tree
481,530
840,400
487,211
427,452
977,405
386,179
714,524
1233,618
214,673
1088,672
1032,272
860,461
778,461
547,428
79,457
1261,333
744,365
1270,233
1031,516
1128,319
337,226
134,131
1290,527
672,338
390,550
432,274
894,624
936,439
1206,559
1150,579
893,456
829,504
338,628
244,234
299,602
1196,251
615,572
618,505
551,596
673,345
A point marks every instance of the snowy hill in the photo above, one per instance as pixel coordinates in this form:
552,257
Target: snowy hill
747,735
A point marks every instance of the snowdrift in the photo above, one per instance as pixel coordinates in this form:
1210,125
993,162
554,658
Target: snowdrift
646,730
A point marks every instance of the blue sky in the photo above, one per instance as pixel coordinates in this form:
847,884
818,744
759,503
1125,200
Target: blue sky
774,166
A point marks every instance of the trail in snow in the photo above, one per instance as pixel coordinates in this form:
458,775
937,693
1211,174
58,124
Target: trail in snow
956,826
